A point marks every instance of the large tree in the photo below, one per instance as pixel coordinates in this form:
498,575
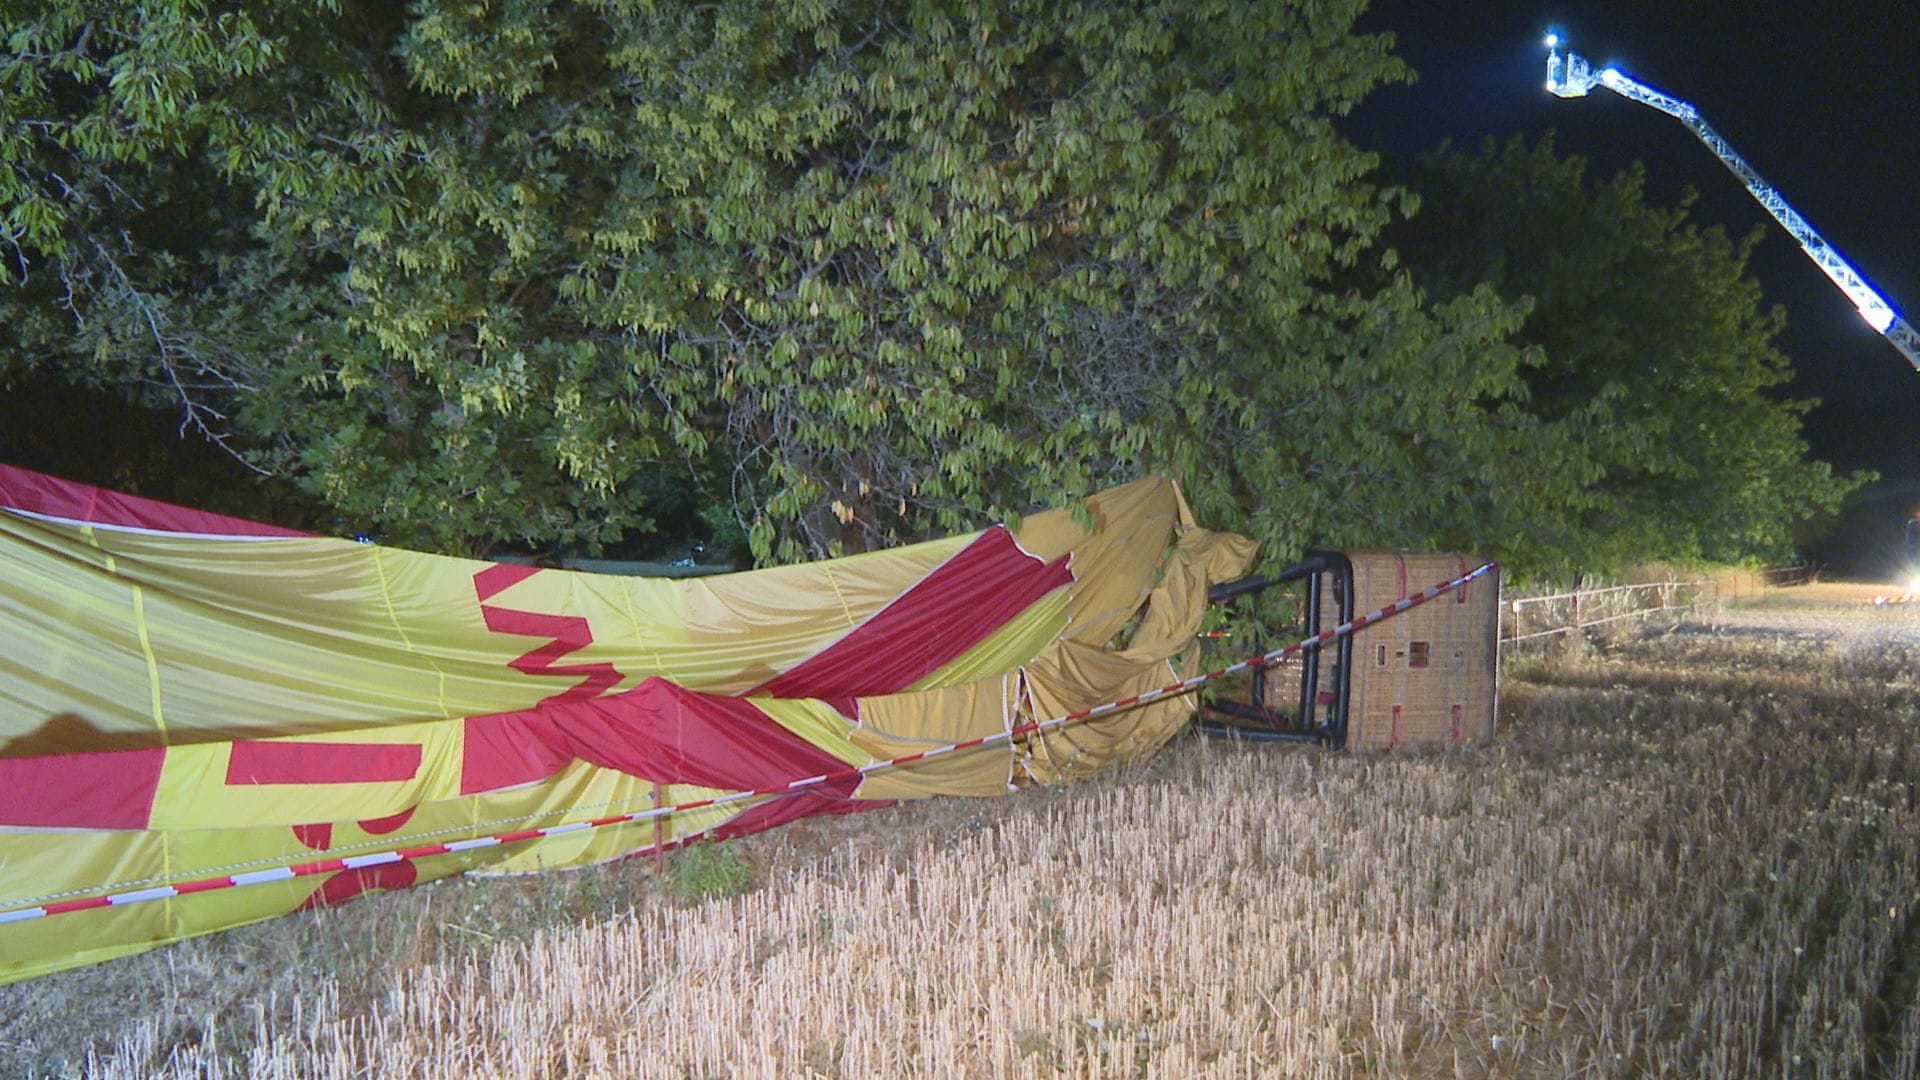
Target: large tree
856,270
1652,331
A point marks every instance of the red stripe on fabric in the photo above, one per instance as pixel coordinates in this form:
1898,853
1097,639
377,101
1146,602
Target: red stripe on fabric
384,825
569,633
846,705
657,730
258,763
207,885
318,836
108,789
500,577
506,750
38,493
953,608
565,634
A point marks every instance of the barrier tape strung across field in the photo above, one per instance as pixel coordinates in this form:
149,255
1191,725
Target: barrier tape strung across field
1639,613
1702,590
382,858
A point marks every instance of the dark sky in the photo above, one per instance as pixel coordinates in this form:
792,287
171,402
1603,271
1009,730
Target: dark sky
1819,99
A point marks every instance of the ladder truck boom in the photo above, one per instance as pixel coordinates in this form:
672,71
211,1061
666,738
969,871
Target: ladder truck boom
1570,76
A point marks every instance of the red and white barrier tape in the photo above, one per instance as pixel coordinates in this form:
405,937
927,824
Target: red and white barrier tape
381,858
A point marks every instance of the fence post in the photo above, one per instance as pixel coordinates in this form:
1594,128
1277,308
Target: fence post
1576,637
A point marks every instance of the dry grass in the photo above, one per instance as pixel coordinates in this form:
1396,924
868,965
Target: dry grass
1692,854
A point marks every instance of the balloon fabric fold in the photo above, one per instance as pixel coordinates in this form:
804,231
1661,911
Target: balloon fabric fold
183,694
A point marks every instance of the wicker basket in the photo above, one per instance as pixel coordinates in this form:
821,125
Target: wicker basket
1429,674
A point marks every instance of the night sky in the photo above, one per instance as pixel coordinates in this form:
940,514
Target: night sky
1816,96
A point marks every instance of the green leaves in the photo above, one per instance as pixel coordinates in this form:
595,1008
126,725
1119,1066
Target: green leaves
1656,366
850,272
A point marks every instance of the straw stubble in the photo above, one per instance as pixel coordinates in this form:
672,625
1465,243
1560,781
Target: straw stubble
1649,871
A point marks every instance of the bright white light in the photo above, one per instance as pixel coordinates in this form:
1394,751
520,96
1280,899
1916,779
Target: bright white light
1878,316
1608,73
1553,41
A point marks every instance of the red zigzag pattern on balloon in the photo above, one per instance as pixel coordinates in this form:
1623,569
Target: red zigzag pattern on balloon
566,634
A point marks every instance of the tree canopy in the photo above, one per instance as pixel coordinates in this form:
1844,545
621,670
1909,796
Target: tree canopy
834,272
1653,325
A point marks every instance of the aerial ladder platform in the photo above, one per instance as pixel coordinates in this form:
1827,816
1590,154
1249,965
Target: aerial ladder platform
1570,76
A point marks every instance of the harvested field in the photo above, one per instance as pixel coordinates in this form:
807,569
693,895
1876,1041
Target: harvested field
1689,853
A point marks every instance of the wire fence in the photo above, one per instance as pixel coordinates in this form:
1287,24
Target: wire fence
1532,618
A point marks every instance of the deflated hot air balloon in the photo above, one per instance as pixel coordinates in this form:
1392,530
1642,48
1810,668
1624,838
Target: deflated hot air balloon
206,721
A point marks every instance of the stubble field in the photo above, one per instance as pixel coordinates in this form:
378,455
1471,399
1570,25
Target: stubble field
1685,853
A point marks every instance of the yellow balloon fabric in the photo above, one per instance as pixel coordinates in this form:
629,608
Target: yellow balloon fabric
186,699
